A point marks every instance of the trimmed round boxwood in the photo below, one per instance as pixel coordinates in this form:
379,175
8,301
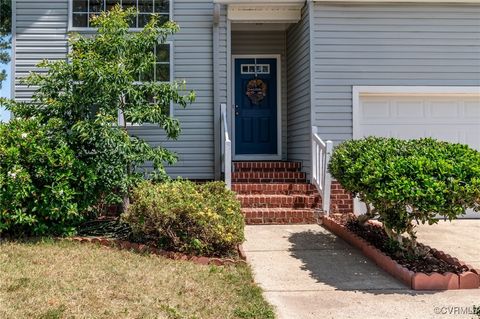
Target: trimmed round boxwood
403,181
201,219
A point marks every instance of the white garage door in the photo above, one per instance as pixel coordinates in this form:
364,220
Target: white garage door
452,118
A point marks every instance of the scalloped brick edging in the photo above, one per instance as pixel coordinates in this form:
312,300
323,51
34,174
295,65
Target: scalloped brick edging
141,248
417,281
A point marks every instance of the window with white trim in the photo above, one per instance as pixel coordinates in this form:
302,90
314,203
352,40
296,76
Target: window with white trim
161,71
84,10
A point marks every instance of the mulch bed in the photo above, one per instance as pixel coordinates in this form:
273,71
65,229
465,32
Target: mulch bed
427,264
436,270
112,232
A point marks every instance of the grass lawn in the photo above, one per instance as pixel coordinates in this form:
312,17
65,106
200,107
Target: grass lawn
48,279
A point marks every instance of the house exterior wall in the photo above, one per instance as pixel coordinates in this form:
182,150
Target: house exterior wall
193,62
388,44
298,91
41,33
266,42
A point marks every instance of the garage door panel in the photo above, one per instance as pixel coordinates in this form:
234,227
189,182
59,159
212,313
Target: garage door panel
472,111
409,109
451,118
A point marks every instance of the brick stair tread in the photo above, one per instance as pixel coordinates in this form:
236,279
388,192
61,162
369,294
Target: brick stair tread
264,177
280,209
281,216
266,166
277,201
274,188
285,173
277,196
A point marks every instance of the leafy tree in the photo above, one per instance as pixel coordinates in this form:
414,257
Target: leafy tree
100,83
5,35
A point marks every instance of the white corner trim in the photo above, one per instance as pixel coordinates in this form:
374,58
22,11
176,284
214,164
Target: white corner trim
359,91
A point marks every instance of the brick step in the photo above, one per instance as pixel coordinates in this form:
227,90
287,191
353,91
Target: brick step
275,216
268,177
274,189
266,166
279,201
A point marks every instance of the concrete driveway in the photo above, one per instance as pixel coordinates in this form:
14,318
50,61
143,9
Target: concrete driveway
306,272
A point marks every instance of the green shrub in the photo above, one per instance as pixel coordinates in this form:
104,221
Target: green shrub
180,215
44,189
406,181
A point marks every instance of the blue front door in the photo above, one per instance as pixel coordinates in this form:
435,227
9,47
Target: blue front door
256,106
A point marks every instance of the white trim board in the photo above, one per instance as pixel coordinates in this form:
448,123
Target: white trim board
359,91
260,157
265,13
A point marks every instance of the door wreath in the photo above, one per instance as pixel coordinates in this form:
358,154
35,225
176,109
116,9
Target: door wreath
256,91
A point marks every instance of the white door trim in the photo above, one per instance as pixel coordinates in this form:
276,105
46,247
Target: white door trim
260,157
359,91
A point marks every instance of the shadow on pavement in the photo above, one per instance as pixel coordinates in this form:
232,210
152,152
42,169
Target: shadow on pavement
331,261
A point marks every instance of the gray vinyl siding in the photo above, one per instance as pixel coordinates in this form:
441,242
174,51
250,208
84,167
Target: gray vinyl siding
265,43
299,98
222,57
40,32
193,56
390,44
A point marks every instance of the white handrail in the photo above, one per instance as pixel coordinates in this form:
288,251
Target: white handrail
226,148
321,178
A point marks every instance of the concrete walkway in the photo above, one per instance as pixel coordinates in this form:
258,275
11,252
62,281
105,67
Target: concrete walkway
306,272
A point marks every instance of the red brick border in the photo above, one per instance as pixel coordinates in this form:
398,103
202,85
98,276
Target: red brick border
417,281
140,248
341,201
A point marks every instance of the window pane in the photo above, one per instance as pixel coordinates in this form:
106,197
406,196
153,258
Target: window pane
96,6
163,53
80,20
112,3
143,19
80,6
147,76
145,6
163,18
129,4
162,6
162,73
